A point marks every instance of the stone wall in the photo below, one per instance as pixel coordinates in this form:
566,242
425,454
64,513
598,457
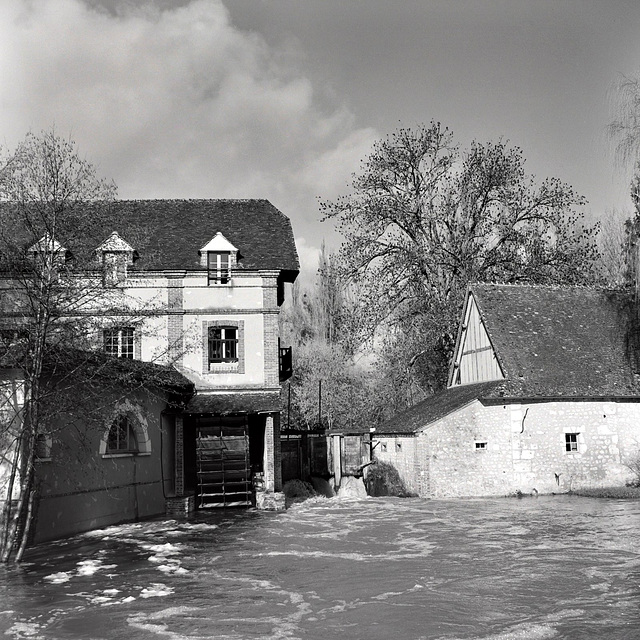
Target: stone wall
402,453
500,450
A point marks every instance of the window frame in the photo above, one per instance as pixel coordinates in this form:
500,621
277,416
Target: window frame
130,441
235,367
42,447
572,442
220,272
125,345
226,346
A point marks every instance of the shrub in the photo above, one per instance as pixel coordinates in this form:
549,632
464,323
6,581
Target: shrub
383,479
618,493
633,463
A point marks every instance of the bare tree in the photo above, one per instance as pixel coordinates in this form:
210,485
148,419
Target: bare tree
614,242
424,220
54,212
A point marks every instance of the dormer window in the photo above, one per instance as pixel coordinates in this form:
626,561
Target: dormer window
116,255
219,267
219,256
48,246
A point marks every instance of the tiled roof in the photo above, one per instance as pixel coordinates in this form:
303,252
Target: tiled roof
95,367
176,229
167,234
231,403
559,341
435,407
553,343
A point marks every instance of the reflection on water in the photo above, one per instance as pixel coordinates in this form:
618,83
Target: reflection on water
552,567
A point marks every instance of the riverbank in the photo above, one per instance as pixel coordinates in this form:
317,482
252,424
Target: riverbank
632,493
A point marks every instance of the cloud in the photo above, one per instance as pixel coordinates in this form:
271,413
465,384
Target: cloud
175,102
309,261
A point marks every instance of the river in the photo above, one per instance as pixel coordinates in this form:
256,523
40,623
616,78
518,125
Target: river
375,568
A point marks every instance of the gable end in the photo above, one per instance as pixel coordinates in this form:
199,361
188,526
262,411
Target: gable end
475,358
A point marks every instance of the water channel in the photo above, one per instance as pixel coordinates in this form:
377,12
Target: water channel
375,568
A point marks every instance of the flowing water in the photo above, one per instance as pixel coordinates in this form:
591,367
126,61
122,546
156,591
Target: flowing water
375,568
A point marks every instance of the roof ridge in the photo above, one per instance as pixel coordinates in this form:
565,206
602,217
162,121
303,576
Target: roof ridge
190,200
552,287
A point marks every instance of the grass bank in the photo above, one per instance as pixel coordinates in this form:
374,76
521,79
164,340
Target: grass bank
609,492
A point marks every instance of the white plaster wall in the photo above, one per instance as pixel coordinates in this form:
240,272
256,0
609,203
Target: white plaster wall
241,293
154,339
143,303
253,350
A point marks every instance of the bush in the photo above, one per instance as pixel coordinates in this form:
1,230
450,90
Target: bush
383,479
618,493
633,464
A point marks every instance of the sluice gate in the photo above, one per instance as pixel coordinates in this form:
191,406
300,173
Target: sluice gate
223,465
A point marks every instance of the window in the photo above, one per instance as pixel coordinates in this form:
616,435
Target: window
219,267
122,436
43,447
383,446
398,446
481,445
223,344
571,441
119,342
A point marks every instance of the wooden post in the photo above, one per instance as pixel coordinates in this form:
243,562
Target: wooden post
337,461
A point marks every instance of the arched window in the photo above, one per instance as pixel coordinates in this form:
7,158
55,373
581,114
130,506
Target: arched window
122,437
126,432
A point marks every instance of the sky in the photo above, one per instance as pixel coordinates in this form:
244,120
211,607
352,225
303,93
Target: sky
283,99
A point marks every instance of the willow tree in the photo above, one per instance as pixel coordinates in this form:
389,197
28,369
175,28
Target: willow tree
624,128
424,219
624,132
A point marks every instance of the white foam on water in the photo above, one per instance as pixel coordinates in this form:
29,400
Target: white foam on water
153,622
156,590
173,568
358,557
541,630
165,549
24,630
89,567
393,594
58,578
352,488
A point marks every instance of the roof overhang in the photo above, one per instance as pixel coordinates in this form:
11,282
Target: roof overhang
233,403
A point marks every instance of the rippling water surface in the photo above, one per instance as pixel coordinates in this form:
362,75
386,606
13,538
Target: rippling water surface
556,567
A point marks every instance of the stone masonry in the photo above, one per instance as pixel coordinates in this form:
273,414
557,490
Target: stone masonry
504,449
